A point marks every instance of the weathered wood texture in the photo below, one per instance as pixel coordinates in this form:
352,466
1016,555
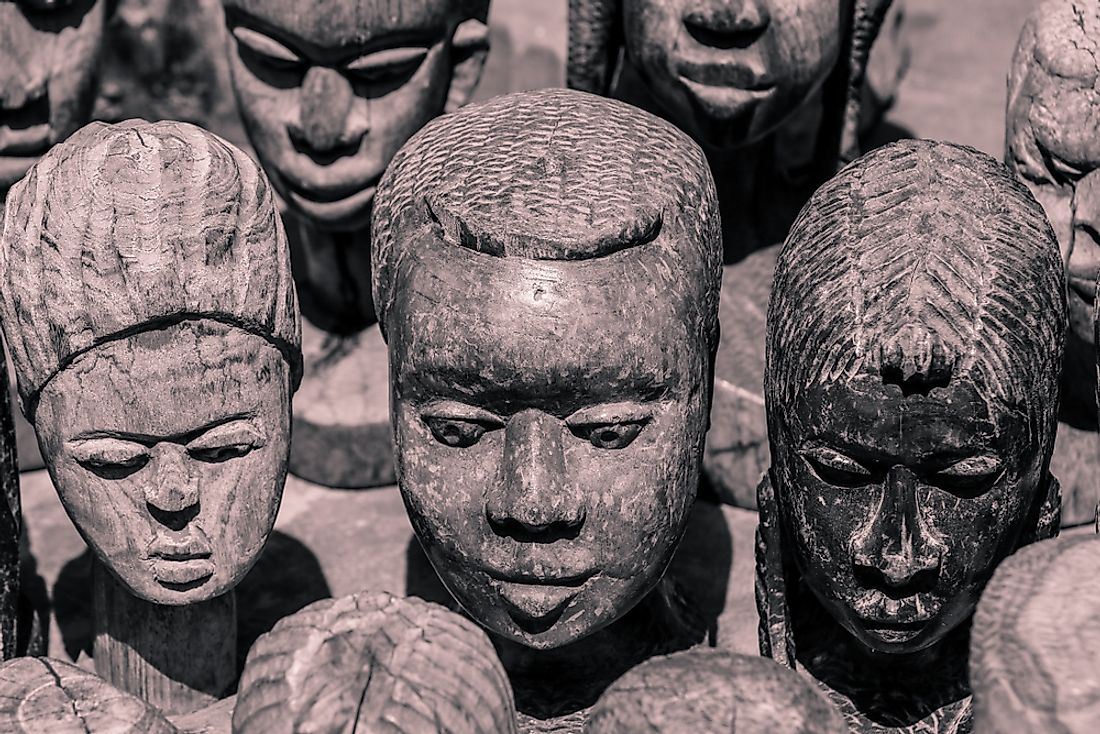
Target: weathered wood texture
152,320
176,658
711,691
546,271
374,662
48,696
1036,639
1053,108
914,344
325,123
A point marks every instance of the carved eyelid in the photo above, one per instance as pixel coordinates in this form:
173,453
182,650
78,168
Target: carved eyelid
974,466
233,433
455,411
386,58
264,45
106,450
835,460
610,414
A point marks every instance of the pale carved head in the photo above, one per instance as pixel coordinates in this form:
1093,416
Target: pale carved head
330,89
49,51
727,72
1052,117
546,268
914,345
153,325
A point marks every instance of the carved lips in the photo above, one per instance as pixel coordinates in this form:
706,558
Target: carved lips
181,560
536,603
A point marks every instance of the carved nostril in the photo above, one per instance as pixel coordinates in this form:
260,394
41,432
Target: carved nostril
325,106
173,519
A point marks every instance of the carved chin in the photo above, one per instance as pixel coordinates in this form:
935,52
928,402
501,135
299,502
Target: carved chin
351,212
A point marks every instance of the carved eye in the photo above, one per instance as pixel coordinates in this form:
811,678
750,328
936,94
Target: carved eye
106,468
267,51
609,435
833,467
393,65
230,440
457,432
218,454
971,476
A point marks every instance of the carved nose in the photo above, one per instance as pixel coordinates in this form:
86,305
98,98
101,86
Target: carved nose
327,120
172,496
895,548
534,501
727,24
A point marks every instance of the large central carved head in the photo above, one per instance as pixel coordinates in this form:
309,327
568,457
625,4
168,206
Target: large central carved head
330,89
49,51
152,321
1052,117
546,270
914,345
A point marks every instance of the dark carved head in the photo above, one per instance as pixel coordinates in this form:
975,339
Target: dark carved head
148,305
729,73
914,345
49,51
330,89
546,270
1052,118
1036,641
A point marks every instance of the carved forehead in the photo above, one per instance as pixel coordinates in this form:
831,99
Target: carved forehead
340,22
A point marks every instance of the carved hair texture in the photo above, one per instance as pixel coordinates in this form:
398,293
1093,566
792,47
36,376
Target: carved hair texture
133,226
921,262
378,663
1036,639
553,175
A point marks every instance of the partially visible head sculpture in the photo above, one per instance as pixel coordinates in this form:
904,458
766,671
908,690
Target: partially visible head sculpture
49,52
729,73
330,89
148,305
709,691
1036,641
1052,115
546,270
914,345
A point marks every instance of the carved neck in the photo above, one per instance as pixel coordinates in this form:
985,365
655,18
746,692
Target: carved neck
332,273
762,186
179,659
561,682
1077,406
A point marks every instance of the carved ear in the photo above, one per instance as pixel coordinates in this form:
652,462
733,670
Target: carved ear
1047,520
469,48
776,640
595,38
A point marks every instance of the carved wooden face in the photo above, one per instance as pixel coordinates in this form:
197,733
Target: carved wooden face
549,430
730,72
899,507
169,451
330,89
48,57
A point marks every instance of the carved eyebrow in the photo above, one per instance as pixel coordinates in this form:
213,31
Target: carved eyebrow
238,431
105,448
147,439
454,410
608,413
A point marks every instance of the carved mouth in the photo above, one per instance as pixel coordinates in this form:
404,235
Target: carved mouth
181,574
1084,288
536,604
895,632
724,75
333,203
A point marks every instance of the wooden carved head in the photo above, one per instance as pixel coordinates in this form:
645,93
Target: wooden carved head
329,89
153,325
914,346
546,269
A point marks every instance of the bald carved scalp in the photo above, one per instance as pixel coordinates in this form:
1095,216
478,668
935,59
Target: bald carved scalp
1036,641
127,226
918,262
374,662
551,175
708,691
47,696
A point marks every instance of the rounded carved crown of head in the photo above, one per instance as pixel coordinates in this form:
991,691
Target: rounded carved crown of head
914,345
546,270
148,305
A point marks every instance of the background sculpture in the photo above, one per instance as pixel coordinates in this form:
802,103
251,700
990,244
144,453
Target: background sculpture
328,91
772,90
148,304
914,346
546,271
1053,109
1037,639
374,662
713,692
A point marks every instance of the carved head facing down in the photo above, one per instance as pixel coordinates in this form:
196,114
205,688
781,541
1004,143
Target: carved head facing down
153,325
728,73
1052,116
49,51
914,345
546,268
330,89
